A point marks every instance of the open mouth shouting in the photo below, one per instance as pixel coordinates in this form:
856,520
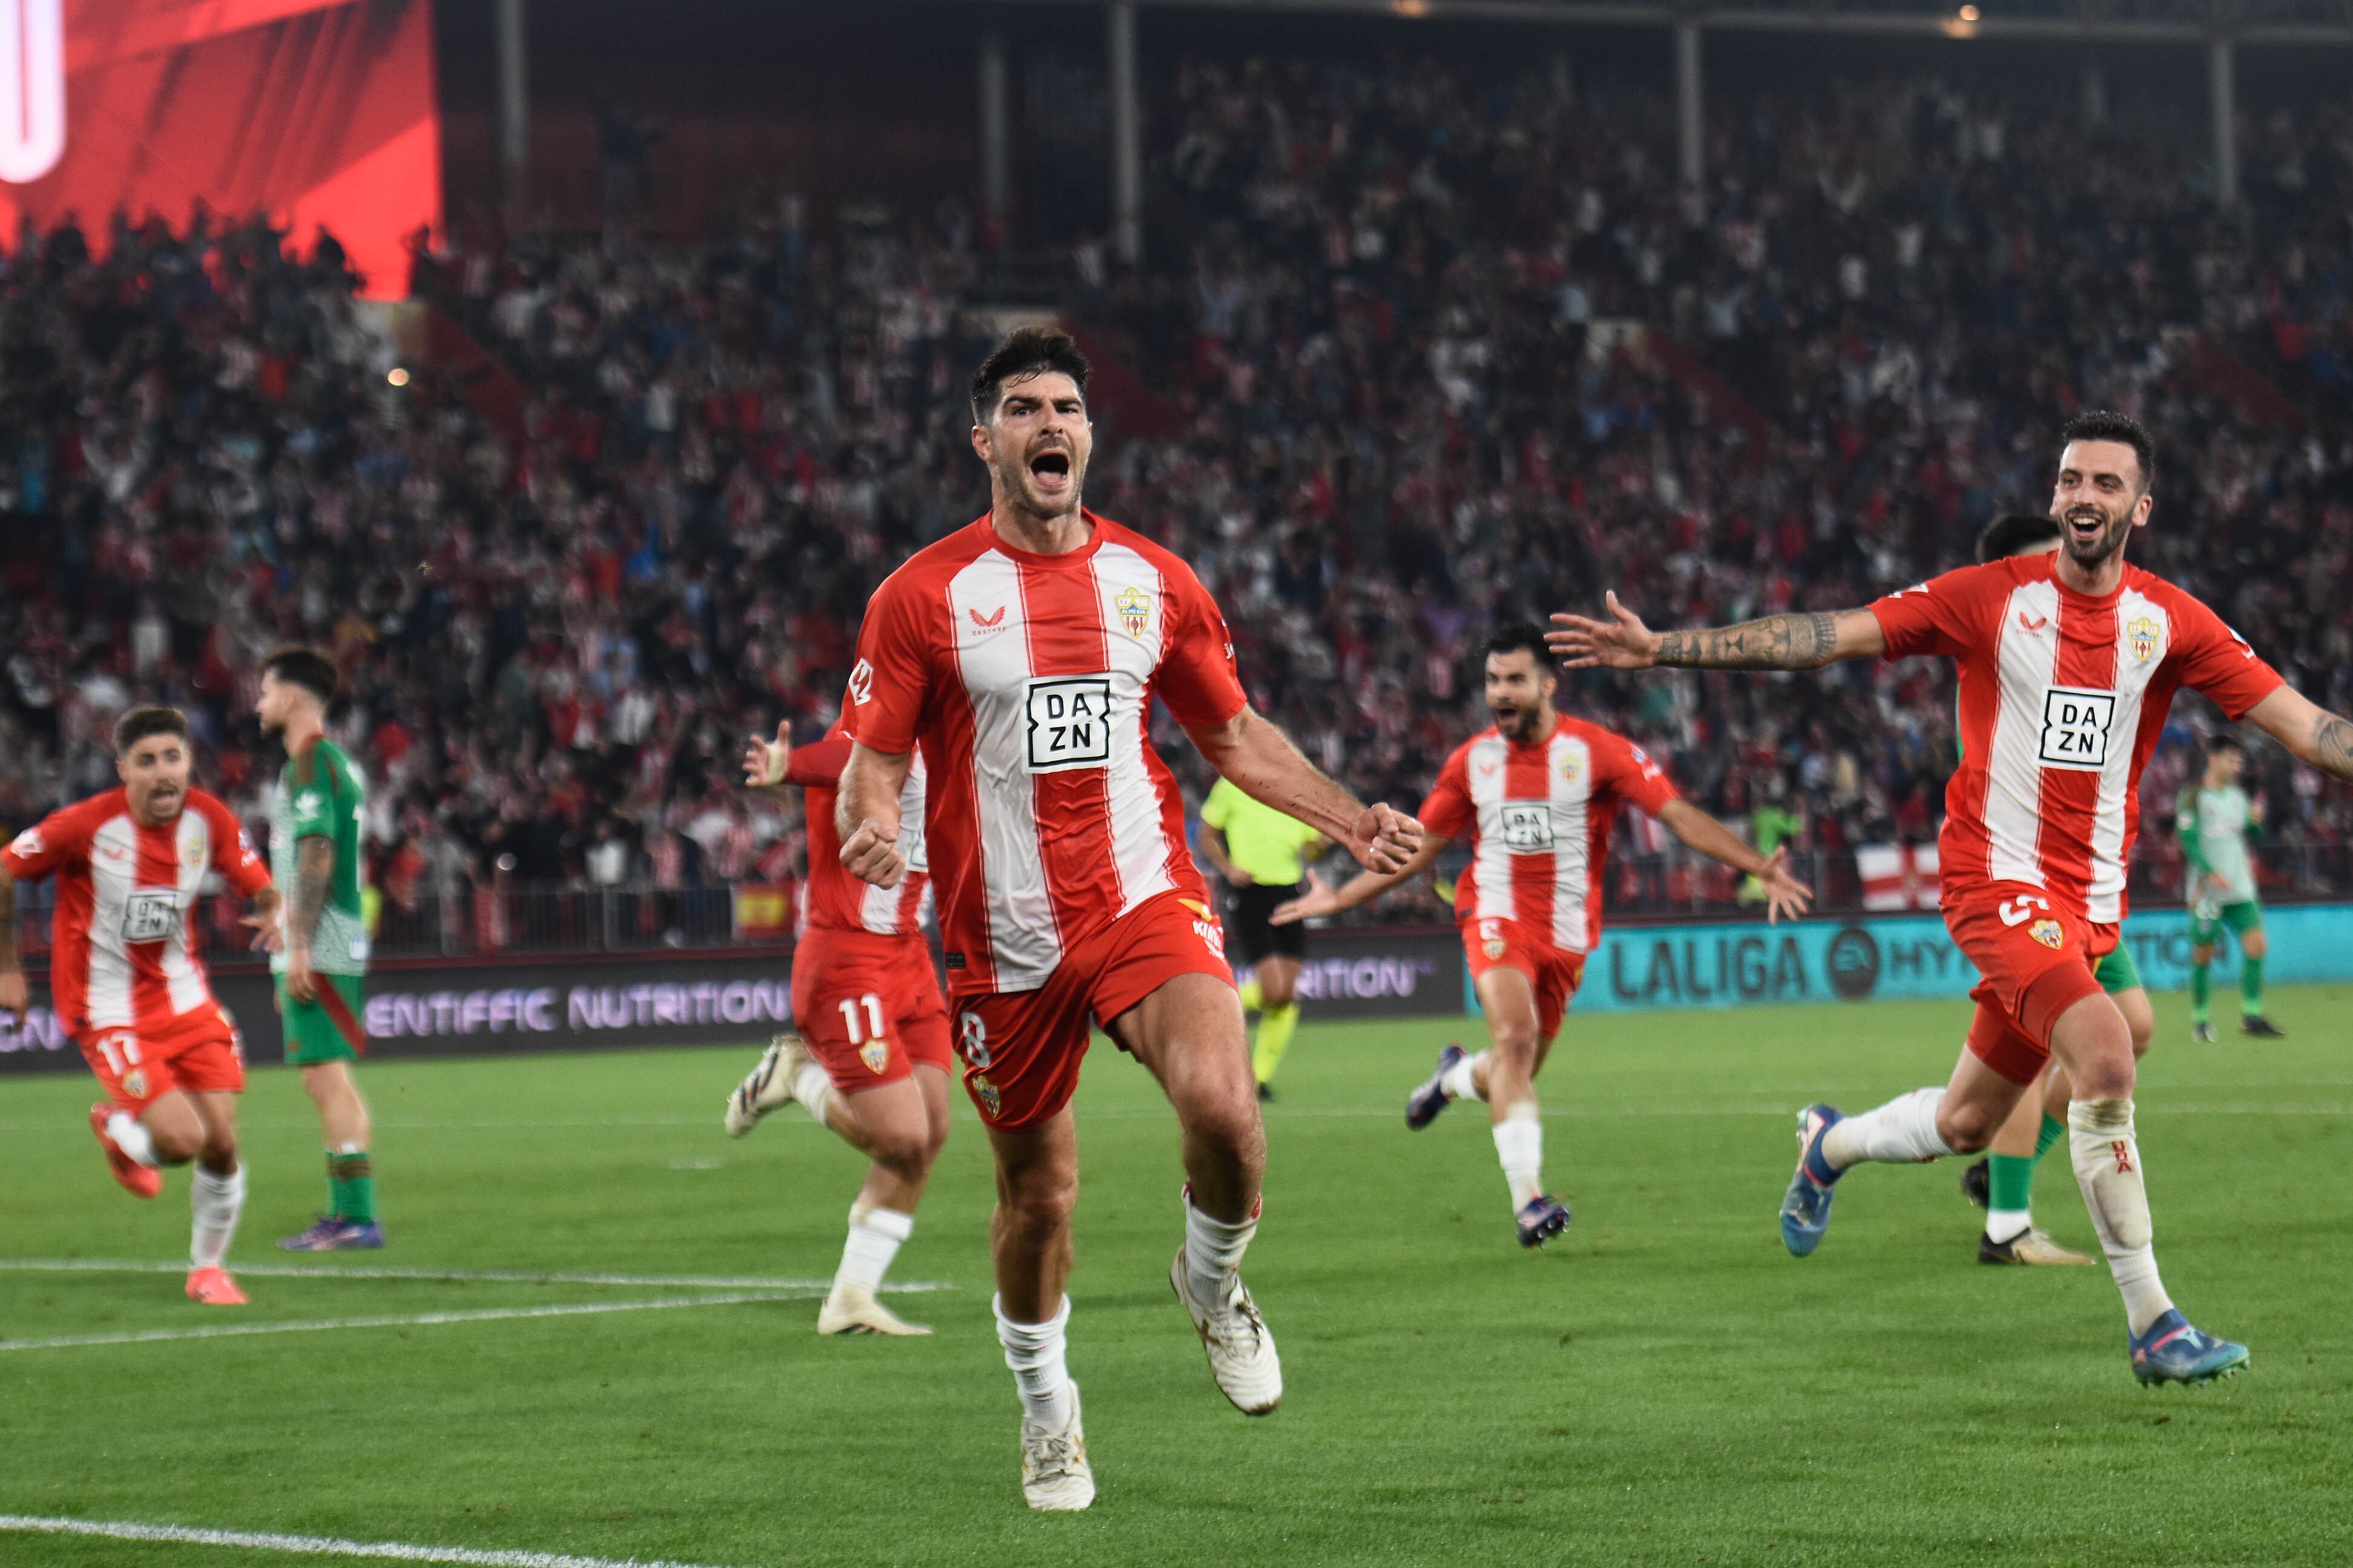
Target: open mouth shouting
1050,471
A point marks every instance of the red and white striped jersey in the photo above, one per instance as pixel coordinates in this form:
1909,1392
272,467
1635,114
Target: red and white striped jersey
1028,681
2062,698
832,898
123,955
1539,816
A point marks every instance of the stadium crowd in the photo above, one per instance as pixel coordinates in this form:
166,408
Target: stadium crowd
1437,347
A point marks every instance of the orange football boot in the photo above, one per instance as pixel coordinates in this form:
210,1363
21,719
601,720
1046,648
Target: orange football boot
137,1179
214,1288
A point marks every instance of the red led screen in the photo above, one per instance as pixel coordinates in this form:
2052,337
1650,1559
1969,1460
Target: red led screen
318,111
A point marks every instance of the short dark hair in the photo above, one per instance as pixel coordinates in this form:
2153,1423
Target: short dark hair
141,722
2105,425
2013,534
2223,740
1517,635
1026,352
304,666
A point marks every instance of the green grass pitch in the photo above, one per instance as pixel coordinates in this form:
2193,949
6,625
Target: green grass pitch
1663,1386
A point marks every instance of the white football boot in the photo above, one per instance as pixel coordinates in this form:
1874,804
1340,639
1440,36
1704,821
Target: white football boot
1241,1350
766,1086
857,1312
1055,1475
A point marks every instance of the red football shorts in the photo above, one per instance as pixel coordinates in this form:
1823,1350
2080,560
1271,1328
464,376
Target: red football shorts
2034,961
199,1052
1022,1048
1515,944
868,1006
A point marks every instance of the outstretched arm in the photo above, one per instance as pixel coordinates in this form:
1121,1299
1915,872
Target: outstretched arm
2310,732
1321,899
866,815
1263,764
1784,894
1776,642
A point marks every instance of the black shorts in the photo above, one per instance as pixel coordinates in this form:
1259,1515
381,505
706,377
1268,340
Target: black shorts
1247,913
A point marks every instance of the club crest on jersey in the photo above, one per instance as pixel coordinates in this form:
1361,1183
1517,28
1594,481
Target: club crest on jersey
2047,932
2145,638
193,856
1570,766
134,1083
1134,607
991,1098
1495,947
876,1054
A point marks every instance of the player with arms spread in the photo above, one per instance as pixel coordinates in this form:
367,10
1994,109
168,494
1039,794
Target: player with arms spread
1021,654
2002,1183
126,981
314,853
2214,817
1537,791
872,1058
2068,665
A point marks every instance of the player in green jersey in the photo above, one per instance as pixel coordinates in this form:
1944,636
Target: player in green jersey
2215,819
314,854
2002,1184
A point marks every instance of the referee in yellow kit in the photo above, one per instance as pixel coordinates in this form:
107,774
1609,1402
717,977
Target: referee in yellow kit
1259,851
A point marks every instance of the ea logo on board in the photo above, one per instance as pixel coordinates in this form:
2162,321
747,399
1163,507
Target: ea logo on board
1852,960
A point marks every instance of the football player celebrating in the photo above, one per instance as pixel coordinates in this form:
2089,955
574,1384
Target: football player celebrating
2002,1184
872,1058
126,982
1022,655
2068,665
1538,793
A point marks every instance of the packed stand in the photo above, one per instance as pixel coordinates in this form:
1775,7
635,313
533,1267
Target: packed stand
1443,349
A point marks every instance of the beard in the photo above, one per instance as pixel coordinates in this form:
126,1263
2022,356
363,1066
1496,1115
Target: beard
2102,547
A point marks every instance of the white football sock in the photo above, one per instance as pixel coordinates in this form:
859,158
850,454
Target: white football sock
132,1138
1519,1149
814,1089
1460,1081
216,1202
1213,1251
1034,1352
2107,1167
2004,1225
1902,1131
874,1237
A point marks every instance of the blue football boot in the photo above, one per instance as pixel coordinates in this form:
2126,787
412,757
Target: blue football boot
1805,1206
1422,1106
2174,1352
1541,1219
332,1234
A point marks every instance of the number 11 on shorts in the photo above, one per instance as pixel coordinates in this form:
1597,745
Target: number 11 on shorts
873,1026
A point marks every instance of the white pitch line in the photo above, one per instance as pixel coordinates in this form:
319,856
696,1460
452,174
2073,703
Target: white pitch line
414,1319
457,1275
315,1545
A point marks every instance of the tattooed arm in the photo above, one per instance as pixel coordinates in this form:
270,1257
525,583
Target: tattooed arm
314,872
1776,642
2310,732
